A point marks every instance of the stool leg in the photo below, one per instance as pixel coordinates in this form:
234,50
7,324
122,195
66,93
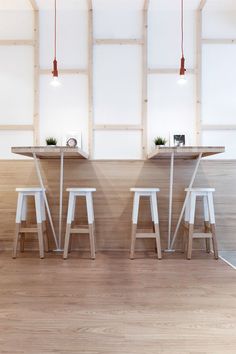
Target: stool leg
212,222
72,224
22,243
67,241
23,223
214,241
19,209
90,214
185,236
190,241
134,223
38,208
191,224
133,239
206,222
207,229
70,215
45,237
40,238
22,238
70,244
94,235
16,239
158,241
92,243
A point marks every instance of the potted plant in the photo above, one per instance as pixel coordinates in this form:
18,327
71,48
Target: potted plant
51,141
159,141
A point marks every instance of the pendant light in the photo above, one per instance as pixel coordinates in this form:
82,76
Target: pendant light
55,82
182,75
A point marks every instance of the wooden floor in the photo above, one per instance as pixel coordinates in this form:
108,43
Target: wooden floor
114,305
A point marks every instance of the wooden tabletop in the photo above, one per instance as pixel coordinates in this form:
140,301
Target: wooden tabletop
185,152
50,152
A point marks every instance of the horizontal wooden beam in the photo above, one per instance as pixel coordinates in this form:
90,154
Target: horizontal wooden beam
201,5
115,41
169,71
17,127
219,127
117,127
65,71
218,41
8,42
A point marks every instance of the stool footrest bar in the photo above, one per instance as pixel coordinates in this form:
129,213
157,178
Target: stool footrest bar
202,235
146,235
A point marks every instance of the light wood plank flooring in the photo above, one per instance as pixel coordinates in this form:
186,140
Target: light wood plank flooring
114,305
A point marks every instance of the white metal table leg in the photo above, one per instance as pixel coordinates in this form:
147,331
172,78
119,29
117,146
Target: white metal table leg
170,202
61,198
185,200
45,197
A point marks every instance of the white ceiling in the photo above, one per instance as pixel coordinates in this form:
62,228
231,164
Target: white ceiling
126,5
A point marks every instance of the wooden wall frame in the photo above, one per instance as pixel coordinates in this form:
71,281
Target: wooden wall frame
199,71
121,41
90,80
36,73
200,42
146,71
218,127
35,43
192,71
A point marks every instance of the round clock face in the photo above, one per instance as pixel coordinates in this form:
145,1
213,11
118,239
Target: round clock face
71,142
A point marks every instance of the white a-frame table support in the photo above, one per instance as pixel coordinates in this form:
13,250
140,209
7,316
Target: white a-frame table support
38,170
47,152
184,152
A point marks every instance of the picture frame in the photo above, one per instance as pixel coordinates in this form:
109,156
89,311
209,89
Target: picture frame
179,139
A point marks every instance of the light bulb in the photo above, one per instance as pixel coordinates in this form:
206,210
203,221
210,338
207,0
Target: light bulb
55,82
182,80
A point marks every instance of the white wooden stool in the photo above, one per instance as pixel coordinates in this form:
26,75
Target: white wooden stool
21,216
73,193
151,193
209,220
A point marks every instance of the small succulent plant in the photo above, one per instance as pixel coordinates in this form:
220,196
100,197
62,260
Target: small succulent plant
51,141
160,141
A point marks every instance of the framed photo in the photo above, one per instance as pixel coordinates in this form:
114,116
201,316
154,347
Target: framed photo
179,139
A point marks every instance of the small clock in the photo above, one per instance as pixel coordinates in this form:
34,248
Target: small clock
71,142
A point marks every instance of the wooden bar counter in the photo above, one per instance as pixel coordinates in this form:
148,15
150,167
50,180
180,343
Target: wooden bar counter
113,200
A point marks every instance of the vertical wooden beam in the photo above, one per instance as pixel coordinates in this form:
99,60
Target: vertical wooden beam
199,71
144,77
33,5
198,76
90,80
36,77
36,71
202,4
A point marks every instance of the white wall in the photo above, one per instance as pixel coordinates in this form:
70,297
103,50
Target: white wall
219,78
117,76
16,75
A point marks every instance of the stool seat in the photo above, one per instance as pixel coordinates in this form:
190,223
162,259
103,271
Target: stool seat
152,194
32,189
145,190
81,190
199,189
21,214
73,194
